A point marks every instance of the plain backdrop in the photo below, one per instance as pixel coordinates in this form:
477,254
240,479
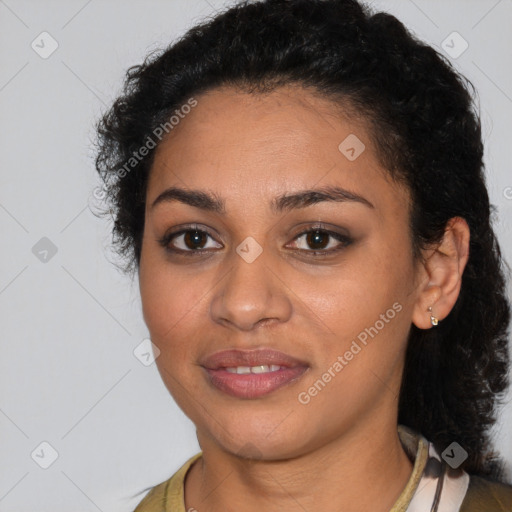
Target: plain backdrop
74,396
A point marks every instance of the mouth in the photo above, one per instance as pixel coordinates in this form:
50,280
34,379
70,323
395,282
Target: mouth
252,374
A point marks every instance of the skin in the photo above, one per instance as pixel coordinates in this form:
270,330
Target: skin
341,450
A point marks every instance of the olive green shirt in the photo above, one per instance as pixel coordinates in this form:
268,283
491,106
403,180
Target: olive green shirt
433,486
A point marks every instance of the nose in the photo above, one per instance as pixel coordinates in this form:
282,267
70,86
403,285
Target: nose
251,295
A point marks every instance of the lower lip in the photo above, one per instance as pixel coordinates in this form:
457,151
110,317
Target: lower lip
253,385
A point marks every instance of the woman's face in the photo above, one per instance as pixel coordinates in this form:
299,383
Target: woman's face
239,272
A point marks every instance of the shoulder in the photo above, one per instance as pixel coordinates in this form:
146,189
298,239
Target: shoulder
154,501
487,495
168,495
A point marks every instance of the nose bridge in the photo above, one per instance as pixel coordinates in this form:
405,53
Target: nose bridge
250,291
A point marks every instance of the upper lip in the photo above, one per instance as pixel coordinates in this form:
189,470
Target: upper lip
256,357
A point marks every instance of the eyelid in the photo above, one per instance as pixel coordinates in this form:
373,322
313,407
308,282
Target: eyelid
321,226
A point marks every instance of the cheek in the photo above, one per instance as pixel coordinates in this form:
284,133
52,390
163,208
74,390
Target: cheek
170,309
365,286
370,302
168,301
158,301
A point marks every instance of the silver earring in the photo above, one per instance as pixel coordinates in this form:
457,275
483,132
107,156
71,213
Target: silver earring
433,319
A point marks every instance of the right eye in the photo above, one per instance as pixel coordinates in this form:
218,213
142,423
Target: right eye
189,241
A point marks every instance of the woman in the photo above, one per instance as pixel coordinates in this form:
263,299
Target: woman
299,186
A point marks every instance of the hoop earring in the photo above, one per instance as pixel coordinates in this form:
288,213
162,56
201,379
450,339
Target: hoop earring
433,319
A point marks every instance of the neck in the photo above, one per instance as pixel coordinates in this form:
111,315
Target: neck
365,469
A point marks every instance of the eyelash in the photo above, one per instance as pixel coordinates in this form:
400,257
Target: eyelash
167,238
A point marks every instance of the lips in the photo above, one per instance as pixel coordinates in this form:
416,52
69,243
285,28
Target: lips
249,385
260,357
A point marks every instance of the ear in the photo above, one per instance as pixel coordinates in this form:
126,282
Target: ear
441,274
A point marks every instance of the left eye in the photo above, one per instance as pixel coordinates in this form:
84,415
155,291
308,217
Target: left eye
318,240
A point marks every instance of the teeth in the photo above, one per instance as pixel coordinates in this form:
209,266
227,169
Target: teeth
253,369
260,369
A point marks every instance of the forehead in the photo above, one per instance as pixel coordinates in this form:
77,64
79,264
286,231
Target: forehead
241,143
226,117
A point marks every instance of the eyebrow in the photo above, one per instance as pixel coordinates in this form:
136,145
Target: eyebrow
213,203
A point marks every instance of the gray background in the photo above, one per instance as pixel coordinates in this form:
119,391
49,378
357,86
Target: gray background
70,324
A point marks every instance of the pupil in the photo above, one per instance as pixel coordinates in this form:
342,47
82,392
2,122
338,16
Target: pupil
315,238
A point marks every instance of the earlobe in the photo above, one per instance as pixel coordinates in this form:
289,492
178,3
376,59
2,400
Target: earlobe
443,269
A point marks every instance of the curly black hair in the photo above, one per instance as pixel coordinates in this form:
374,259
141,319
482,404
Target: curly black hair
427,131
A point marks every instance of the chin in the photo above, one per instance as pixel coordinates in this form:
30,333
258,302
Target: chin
262,441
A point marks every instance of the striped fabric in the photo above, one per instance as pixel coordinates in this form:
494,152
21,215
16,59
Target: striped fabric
435,486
